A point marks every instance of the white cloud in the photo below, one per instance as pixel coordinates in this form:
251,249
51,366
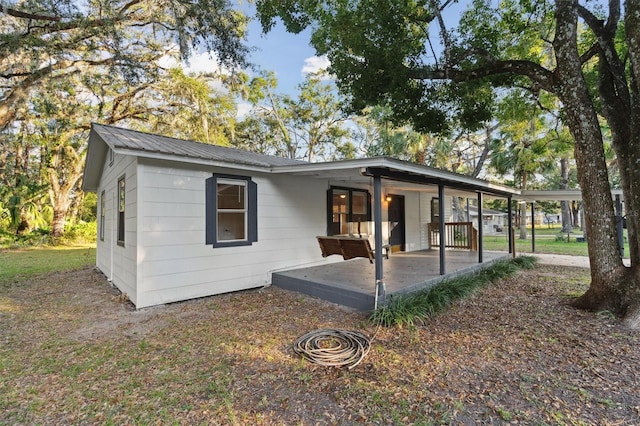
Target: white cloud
204,62
167,62
314,64
244,108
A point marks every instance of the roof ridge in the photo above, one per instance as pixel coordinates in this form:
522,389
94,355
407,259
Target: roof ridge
237,150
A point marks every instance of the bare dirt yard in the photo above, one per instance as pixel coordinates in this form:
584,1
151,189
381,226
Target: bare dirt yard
73,352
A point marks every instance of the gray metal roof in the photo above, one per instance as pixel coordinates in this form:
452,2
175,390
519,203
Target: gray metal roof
146,144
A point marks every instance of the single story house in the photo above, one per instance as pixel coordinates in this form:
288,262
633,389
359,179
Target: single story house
179,219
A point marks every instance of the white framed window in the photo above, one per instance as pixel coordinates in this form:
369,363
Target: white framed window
231,210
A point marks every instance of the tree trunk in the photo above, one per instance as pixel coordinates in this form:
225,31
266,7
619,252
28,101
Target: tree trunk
458,210
565,212
630,174
608,274
59,218
523,211
574,214
523,222
620,100
64,173
567,224
23,227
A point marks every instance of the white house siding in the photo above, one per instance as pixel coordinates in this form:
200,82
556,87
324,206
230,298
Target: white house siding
176,264
118,263
103,246
292,211
413,222
425,217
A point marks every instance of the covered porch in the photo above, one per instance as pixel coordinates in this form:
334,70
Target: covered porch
406,207
352,283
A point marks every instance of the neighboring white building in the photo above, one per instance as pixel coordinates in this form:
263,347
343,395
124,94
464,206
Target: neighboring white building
179,220
493,221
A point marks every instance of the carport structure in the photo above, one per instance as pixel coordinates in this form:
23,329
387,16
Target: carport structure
530,197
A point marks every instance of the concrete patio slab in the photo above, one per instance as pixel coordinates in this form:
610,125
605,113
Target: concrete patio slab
352,283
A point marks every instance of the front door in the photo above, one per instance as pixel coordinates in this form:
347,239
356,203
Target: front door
397,239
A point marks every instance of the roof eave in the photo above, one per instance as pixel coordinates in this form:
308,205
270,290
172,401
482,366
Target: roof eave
367,166
94,161
453,178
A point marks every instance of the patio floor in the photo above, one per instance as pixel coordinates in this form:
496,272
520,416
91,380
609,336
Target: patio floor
352,282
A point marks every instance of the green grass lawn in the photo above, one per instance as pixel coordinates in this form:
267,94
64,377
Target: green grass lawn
22,264
546,242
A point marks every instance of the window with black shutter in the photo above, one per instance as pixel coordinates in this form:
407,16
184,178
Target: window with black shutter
121,208
103,206
231,211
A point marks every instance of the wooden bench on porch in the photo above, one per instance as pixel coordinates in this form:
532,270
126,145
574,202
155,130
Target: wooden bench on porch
348,247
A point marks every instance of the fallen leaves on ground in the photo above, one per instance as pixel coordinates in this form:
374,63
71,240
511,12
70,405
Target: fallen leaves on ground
71,351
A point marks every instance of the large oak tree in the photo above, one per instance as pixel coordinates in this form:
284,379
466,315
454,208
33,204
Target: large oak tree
64,65
42,41
382,53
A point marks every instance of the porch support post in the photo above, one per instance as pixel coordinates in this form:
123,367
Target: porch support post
443,237
377,221
510,227
480,230
533,227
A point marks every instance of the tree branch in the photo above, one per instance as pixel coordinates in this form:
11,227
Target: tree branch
56,24
21,90
24,15
599,26
129,5
533,71
586,56
444,34
606,42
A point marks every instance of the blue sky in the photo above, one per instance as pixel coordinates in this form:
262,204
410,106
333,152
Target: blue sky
290,56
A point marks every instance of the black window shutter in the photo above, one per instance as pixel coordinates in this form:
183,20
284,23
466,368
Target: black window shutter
252,211
330,211
210,210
